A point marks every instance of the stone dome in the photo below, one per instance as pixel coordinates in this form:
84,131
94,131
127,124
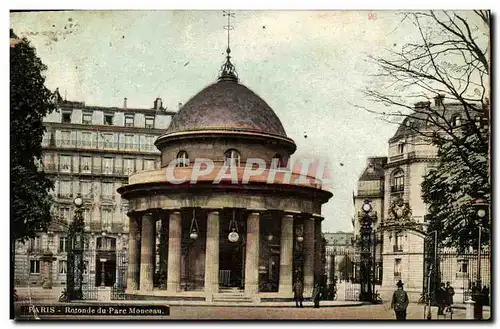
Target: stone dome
226,105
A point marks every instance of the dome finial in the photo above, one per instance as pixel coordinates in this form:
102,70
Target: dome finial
228,71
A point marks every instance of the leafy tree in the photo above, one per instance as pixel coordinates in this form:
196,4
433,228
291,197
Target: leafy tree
452,187
448,63
30,101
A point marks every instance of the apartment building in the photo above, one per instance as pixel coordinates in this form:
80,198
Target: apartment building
90,150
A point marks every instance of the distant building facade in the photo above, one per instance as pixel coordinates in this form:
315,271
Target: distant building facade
90,150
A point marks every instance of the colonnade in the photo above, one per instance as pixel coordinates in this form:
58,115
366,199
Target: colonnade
141,249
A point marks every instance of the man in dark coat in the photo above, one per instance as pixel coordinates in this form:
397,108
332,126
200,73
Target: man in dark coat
316,295
449,296
441,299
400,302
298,293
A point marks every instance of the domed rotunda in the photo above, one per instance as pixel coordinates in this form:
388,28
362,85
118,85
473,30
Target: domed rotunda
224,218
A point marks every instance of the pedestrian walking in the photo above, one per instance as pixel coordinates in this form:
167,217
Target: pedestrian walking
298,293
316,295
450,292
400,301
441,299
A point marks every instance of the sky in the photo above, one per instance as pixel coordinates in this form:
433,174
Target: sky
311,67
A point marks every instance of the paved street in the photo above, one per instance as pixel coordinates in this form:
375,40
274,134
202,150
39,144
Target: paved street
365,312
177,312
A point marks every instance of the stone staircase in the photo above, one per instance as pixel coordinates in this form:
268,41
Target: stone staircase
231,296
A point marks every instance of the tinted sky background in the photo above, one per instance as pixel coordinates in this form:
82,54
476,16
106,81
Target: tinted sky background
309,66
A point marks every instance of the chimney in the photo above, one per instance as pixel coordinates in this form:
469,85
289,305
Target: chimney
438,100
158,104
179,105
125,103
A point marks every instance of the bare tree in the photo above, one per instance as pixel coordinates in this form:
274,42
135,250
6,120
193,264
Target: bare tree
447,70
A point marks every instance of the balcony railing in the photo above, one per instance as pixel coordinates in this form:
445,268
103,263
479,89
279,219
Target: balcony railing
105,145
35,250
397,157
396,248
397,188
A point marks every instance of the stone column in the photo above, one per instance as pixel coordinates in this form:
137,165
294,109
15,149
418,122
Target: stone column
252,255
174,252
134,250
212,255
163,252
308,256
148,240
318,270
286,255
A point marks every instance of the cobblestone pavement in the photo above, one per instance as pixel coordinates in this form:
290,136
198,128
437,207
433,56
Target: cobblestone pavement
365,312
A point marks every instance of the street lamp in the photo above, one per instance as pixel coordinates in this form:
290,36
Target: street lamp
481,206
74,274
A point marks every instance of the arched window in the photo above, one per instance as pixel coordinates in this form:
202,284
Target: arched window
182,159
398,181
232,158
277,162
456,121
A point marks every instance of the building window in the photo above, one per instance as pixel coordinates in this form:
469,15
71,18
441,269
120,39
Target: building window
397,268
150,122
66,138
66,117
182,159
398,242
398,181
107,140
107,190
107,166
106,243
64,213
65,189
86,164
108,119
87,118
232,158
401,148
86,139
63,267
456,121
65,163
277,162
129,142
34,244
63,244
129,121
86,189
149,164
86,215
128,166
149,143
34,266
106,217
85,267
463,267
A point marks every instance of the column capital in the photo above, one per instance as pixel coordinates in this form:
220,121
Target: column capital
214,212
288,216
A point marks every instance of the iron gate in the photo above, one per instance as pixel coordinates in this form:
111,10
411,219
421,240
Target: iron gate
343,273
118,288
89,288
